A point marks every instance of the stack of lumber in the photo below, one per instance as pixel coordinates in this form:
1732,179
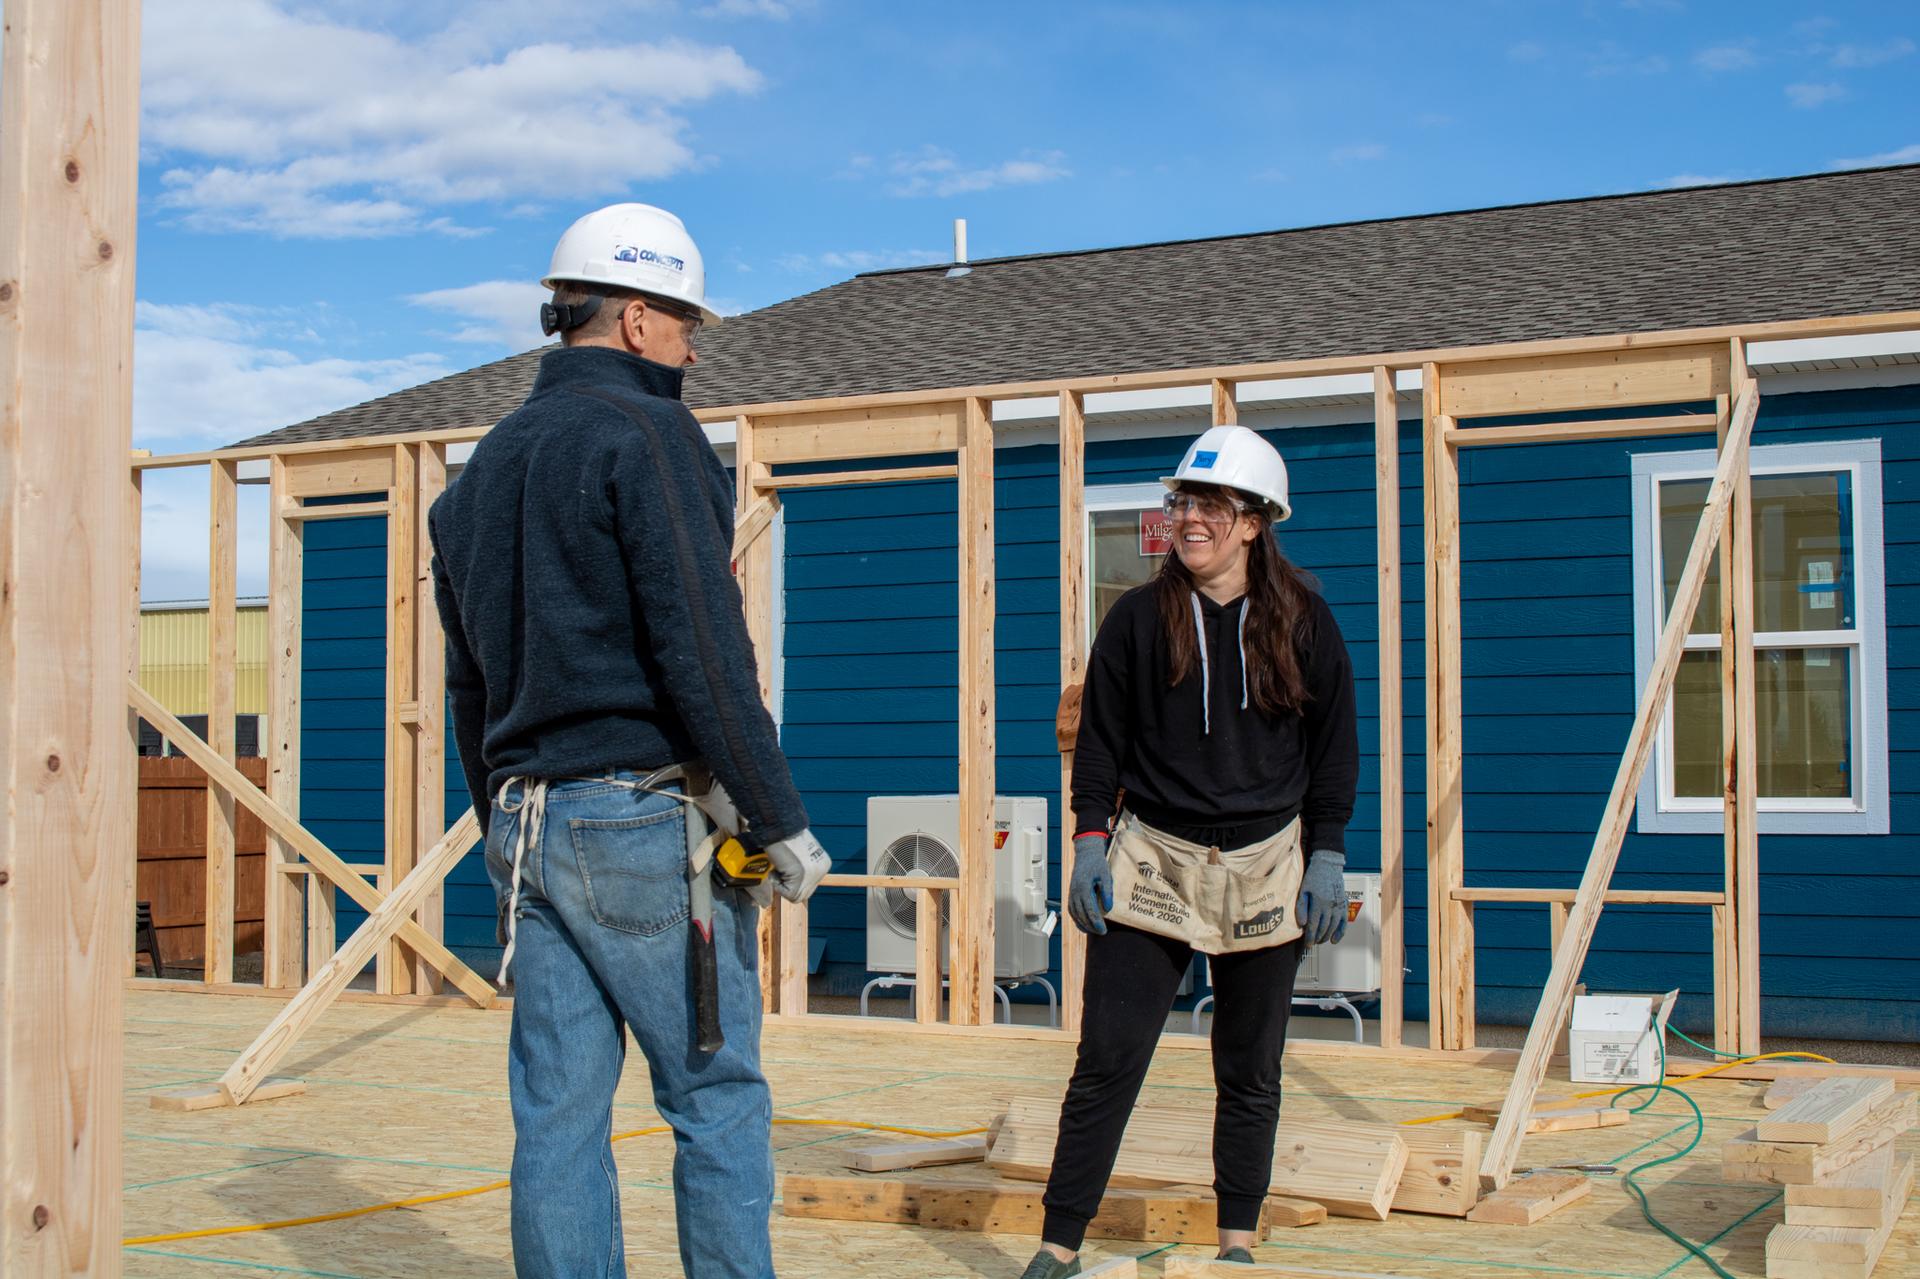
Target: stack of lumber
1831,1147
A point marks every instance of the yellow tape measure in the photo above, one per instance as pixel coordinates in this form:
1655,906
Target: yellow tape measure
734,864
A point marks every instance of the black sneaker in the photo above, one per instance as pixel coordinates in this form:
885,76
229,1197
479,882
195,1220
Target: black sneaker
1047,1266
1239,1256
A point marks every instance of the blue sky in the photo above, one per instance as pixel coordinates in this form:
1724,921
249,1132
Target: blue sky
344,197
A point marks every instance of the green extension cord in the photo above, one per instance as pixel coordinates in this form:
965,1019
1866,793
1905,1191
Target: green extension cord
1699,1133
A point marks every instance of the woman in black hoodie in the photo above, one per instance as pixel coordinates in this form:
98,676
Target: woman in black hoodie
1216,751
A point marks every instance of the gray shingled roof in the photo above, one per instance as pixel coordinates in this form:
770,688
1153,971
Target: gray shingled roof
1784,249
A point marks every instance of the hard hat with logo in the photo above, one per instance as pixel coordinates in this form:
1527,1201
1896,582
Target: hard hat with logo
633,246
1236,458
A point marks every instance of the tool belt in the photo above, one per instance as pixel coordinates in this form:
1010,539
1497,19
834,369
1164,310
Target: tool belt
1216,902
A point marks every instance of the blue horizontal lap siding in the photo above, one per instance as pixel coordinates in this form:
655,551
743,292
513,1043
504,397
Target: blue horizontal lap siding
871,675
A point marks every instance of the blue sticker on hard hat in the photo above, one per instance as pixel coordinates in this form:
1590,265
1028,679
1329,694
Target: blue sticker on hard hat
1205,461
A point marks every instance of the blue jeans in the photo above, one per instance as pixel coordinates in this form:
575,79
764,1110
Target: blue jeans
601,946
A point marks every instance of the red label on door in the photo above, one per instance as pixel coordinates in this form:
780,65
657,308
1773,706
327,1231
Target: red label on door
1156,533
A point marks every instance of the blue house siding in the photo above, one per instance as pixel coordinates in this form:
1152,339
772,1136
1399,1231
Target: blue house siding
870,689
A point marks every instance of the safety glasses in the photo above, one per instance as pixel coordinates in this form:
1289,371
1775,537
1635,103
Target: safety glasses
1209,508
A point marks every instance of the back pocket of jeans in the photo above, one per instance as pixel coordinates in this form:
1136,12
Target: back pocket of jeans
634,870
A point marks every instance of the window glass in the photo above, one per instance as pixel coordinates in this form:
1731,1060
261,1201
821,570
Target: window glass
1802,551
1128,547
1804,724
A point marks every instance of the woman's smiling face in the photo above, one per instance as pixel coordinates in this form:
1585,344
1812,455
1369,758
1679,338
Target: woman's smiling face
1211,531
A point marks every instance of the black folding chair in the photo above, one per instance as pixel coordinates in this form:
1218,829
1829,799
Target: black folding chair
146,937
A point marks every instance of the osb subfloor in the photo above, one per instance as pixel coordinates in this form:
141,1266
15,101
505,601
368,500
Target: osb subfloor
406,1101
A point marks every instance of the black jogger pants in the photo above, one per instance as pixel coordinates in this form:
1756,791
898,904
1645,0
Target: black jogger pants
1131,979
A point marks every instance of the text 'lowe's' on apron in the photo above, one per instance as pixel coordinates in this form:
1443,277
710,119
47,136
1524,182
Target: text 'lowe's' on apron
1215,902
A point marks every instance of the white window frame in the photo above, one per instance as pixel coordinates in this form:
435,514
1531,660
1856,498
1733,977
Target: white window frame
1109,497
1868,811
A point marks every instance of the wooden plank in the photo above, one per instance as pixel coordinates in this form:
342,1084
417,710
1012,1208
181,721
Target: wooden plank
283,929
838,479
938,882
1726,941
830,434
210,1096
1826,1246
69,141
251,1069
1449,922
1226,407
1782,1091
1569,432
1902,1076
127,839
1354,1169
1585,915
1567,896
1442,1176
324,859
1393,811
1746,1158
1531,1198
751,523
339,473
1603,380
393,972
970,969
1875,1192
337,511
1074,643
997,1207
1569,1119
918,1154
1205,1268
223,654
926,956
753,571
430,690
1284,1212
1828,1112
1743,807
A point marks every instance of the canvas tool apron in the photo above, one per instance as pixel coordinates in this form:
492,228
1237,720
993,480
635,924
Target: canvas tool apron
1216,902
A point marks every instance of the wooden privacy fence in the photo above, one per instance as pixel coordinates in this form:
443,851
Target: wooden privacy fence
173,864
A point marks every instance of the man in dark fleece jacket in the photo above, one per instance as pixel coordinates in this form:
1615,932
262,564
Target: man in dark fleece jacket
594,635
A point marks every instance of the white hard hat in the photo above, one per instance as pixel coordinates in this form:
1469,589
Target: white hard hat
633,246
1236,458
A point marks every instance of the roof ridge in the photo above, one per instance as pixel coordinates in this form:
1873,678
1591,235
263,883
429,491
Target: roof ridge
1656,193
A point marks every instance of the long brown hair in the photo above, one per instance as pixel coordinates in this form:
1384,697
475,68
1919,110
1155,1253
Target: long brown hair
1278,617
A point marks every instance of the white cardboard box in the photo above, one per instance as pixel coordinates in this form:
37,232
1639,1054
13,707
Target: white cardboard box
1615,1039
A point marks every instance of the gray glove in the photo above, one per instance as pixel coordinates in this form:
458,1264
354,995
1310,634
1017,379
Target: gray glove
1323,898
799,864
1090,895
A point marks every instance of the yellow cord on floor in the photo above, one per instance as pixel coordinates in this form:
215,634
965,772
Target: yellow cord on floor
443,1196
1615,1092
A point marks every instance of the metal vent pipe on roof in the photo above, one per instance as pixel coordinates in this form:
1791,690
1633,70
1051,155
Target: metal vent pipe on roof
959,239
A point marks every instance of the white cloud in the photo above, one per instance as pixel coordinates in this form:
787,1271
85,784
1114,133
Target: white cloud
1808,96
1727,57
1361,151
299,125
1681,180
1869,55
1905,155
934,171
205,376
860,260
500,313
778,10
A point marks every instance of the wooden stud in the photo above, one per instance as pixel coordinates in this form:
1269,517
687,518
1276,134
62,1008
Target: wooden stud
1450,981
1287,1213
1745,887
1747,1158
942,883
430,689
222,656
341,472
1568,432
1825,1252
1616,379
1585,916
1567,896
756,520
283,930
840,479
211,1097
1726,937
1827,1112
1226,407
753,571
996,1207
1073,670
1555,1119
918,1154
1866,1195
1393,815
926,956
1531,1198
1442,1176
69,140
266,1051
833,434
393,972
971,967
127,840
299,512
323,859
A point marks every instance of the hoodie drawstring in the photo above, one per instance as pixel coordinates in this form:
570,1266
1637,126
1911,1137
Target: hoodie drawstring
1206,668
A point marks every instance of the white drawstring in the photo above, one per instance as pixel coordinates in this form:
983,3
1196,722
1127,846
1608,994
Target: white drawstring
533,806
1243,654
1206,669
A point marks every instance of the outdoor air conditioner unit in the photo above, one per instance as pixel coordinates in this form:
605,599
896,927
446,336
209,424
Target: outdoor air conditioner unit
919,835
1350,966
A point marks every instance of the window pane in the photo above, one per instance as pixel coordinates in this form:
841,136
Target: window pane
1805,706
1802,549
1119,559
1696,726
1804,713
